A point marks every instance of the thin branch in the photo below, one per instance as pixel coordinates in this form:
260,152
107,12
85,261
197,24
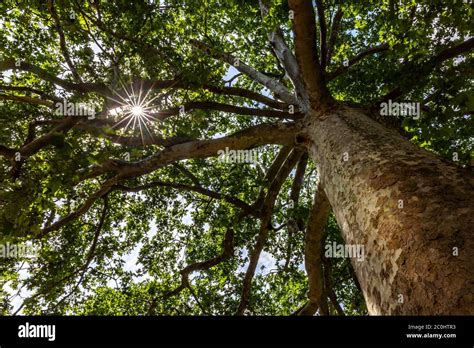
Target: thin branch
227,252
264,227
334,33
439,58
199,189
62,41
367,52
322,32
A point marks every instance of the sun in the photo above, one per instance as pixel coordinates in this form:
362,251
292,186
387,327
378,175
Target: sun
134,109
137,111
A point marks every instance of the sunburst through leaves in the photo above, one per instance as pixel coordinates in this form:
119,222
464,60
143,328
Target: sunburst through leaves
135,110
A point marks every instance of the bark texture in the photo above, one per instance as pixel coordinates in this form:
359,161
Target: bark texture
315,237
410,210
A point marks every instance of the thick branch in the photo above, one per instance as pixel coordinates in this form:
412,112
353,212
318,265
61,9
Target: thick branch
210,105
304,28
286,57
255,136
315,236
245,139
299,178
9,64
27,100
334,302
102,192
245,93
273,85
33,146
31,90
295,224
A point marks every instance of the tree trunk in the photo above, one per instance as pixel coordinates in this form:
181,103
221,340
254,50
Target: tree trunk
410,210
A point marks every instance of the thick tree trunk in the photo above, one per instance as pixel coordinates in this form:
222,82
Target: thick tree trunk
411,211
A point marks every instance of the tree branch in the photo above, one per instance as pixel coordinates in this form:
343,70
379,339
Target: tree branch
294,225
199,189
334,33
251,137
439,58
10,64
210,105
304,29
314,246
267,212
31,90
277,88
27,100
62,41
286,58
367,52
227,252
271,174
323,33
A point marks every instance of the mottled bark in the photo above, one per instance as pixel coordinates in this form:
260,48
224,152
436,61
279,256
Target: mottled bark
410,210
313,260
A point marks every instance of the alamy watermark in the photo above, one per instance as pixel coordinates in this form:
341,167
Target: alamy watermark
237,156
37,331
391,108
13,251
355,251
66,108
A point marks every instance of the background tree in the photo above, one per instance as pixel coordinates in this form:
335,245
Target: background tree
172,84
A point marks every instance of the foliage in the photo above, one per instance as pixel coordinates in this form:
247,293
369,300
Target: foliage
145,238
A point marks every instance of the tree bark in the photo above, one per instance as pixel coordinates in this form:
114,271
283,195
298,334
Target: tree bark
410,210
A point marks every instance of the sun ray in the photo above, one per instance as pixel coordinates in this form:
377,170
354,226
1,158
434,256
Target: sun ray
135,109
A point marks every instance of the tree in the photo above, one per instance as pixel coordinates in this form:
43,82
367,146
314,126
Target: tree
114,114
